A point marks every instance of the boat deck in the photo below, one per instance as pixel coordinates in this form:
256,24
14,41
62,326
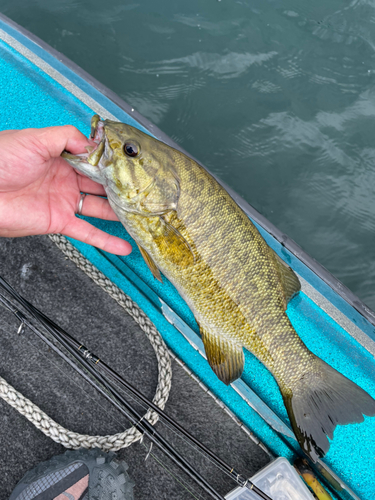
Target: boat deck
41,273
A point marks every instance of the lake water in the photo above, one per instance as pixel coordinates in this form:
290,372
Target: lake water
276,98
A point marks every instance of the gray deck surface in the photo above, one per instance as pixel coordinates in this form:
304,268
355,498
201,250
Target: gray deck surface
41,273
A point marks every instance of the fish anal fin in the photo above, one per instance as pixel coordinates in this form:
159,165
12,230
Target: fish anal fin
225,358
171,243
151,264
289,280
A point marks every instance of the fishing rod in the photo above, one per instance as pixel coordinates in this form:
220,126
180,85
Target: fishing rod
99,364
92,364
143,426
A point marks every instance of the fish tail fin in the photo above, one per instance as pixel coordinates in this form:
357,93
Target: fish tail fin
321,400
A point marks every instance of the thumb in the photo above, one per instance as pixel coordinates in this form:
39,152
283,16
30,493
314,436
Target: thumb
57,139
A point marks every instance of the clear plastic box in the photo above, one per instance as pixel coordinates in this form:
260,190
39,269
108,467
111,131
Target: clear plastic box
279,480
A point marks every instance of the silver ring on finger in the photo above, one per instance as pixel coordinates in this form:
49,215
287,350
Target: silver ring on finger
80,203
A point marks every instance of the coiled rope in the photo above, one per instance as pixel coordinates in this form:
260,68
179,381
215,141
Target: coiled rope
114,442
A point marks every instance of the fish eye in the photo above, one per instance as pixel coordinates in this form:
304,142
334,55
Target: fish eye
131,149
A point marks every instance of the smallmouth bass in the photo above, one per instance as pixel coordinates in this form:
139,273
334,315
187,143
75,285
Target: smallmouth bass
188,227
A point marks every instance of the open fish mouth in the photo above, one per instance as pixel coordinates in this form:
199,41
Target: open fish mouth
94,153
97,129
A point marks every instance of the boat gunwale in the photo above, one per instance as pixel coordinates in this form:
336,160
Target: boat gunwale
318,269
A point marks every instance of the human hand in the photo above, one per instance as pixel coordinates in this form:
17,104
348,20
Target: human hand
40,191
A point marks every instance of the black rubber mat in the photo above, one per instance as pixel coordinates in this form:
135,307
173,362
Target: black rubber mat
42,274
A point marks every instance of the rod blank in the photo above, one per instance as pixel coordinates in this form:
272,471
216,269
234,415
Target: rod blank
92,363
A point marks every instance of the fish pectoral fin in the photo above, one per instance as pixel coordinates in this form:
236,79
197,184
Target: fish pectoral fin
225,358
290,282
151,264
171,242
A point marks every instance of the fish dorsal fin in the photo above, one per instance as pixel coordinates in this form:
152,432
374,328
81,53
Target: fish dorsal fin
225,358
171,243
289,280
151,264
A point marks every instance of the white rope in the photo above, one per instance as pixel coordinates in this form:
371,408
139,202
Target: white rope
115,442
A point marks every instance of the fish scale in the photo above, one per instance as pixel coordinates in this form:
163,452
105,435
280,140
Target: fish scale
189,228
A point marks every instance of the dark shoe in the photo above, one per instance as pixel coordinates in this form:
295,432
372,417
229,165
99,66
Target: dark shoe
77,475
